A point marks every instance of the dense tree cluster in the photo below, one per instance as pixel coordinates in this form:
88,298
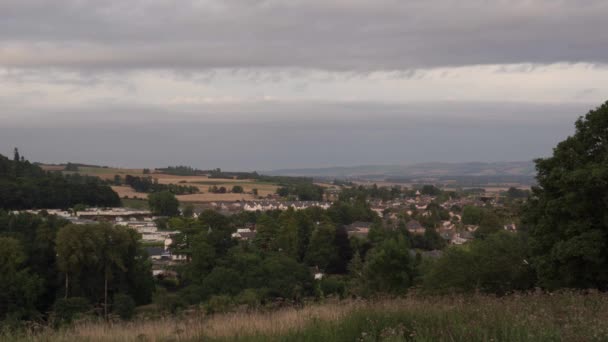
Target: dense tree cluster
149,185
288,248
181,170
214,189
302,191
374,192
25,186
498,264
567,213
48,264
163,203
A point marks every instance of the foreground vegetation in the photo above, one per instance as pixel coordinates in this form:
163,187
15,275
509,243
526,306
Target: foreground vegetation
564,316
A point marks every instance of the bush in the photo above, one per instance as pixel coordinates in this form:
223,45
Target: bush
332,286
250,298
66,310
496,265
218,304
124,306
167,301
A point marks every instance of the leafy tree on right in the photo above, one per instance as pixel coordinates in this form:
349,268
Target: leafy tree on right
567,214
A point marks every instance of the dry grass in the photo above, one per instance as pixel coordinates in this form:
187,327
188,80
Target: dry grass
123,191
567,316
202,183
211,197
52,167
198,325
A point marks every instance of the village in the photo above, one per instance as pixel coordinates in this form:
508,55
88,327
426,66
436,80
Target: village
411,210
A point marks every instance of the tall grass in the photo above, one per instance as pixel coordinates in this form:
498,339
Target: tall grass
566,316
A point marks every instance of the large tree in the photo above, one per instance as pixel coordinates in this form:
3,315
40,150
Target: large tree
101,260
388,267
19,289
163,203
568,211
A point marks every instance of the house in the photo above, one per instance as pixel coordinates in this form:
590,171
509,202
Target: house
447,235
471,228
158,253
161,274
458,240
414,227
467,235
379,211
360,229
433,254
244,234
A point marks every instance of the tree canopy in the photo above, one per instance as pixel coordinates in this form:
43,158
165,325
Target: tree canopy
568,213
26,186
163,203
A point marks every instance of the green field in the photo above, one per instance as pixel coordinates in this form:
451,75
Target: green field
141,204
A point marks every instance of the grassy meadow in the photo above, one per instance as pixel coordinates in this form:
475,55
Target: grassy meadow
141,204
565,316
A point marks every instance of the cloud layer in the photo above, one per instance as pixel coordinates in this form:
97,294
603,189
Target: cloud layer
360,35
247,84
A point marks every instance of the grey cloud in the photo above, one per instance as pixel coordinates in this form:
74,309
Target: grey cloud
359,35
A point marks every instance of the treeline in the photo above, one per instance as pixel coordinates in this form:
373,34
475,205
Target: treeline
220,174
385,193
281,180
470,180
182,170
301,191
50,269
26,186
149,185
236,189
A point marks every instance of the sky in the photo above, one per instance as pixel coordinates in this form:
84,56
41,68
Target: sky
265,84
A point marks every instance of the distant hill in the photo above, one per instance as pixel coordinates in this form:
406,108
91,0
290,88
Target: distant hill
501,171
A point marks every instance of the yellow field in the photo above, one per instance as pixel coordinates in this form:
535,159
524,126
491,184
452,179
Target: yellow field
123,191
201,182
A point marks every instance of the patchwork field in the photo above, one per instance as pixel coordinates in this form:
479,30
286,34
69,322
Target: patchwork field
201,182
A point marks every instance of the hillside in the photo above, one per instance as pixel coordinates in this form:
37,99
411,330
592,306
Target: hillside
24,185
506,170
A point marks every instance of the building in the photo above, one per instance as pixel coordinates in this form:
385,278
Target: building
414,227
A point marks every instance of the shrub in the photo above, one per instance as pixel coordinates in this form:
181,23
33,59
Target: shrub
166,301
250,298
332,286
66,310
218,304
124,306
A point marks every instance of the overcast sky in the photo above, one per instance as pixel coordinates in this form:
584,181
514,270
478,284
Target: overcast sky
257,84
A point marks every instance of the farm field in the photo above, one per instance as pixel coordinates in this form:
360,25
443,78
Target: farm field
201,182
264,189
